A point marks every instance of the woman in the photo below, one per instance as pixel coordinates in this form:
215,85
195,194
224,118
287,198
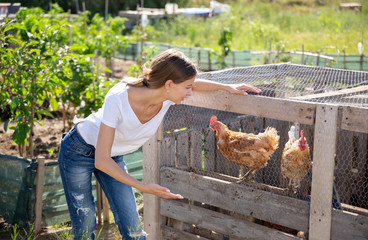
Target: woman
131,114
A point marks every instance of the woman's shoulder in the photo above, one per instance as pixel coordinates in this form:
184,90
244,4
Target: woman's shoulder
118,88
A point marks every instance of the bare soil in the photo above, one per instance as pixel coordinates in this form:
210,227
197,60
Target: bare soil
46,137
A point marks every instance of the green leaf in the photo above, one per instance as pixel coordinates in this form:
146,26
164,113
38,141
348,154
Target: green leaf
44,112
54,104
107,70
20,133
6,125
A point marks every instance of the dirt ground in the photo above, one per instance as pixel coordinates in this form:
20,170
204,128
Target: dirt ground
46,144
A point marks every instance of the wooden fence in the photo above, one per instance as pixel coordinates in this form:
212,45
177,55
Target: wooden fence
215,207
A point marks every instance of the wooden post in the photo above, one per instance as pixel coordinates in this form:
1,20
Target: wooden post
77,6
233,59
361,62
317,62
106,9
106,208
269,53
199,58
151,174
85,19
69,29
39,192
325,136
99,202
209,61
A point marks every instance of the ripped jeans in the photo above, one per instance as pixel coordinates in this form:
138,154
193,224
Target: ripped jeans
76,164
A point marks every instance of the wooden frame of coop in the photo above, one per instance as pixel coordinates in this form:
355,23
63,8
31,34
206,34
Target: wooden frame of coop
235,203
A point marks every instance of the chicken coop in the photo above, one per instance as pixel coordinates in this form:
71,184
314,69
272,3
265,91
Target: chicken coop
330,201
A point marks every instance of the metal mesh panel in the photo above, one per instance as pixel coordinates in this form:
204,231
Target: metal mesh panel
189,140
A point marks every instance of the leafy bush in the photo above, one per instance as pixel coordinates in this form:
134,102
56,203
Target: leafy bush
43,65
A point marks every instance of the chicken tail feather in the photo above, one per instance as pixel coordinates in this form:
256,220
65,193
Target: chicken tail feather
272,135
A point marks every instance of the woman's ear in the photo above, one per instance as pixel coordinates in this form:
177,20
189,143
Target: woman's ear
168,84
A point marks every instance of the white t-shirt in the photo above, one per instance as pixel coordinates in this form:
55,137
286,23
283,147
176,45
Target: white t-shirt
116,112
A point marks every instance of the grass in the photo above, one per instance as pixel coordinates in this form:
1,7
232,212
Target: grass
63,231
318,24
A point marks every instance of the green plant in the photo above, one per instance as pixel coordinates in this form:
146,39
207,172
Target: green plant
51,151
15,233
28,80
30,233
65,234
225,50
255,22
136,70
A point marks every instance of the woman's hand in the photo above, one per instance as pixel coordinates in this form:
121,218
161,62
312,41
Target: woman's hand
160,191
241,89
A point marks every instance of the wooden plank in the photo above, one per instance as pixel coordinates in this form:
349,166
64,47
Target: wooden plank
219,222
285,211
337,93
151,174
168,151
325,136
347,225
182,150
221,163
195,149
354,209
355,119
39,193
302,112
209,148
169,233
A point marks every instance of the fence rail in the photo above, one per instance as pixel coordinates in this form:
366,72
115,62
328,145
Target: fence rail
205,60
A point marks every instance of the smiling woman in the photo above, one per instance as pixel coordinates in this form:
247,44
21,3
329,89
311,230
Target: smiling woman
130,115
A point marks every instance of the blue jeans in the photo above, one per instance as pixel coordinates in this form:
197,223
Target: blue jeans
76,164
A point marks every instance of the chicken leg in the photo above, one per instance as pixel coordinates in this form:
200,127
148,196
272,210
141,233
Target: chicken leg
247,176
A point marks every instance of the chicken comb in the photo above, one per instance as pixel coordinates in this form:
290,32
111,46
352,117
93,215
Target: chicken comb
302,133
213,120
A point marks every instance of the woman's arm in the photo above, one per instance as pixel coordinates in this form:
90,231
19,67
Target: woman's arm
105,163
205,85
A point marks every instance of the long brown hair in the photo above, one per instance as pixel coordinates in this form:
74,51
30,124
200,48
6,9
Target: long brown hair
168,65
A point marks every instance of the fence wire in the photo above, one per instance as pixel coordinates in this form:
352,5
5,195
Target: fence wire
189,139
206,61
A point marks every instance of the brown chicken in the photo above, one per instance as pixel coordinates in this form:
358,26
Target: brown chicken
295,161
245,149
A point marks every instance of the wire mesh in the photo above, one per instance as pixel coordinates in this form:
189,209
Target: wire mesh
230,157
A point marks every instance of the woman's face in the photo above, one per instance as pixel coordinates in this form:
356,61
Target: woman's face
177,92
